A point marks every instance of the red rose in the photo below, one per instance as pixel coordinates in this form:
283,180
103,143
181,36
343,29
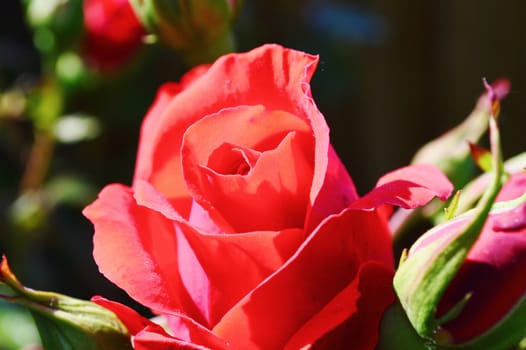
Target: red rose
113,32
242,217
493,270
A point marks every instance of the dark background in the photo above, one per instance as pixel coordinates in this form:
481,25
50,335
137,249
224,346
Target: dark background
392,76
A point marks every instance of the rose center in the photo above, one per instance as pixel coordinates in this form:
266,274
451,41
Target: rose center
230,159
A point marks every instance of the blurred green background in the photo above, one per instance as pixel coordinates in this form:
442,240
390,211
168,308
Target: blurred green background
392,76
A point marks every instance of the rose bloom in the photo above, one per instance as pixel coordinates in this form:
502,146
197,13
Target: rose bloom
242,227
493,272
112,32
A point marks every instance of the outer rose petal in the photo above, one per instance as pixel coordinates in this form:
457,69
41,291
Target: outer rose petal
150,336
407,187
152,128
349,318
179,264
335,193
129,317
225,266
514,188
135,247
149,339
328,261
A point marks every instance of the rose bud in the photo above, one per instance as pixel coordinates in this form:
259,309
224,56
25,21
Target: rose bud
461,282
65,322
200,29
492,273
113,33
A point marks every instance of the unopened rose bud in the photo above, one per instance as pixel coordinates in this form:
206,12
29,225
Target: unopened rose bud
200,29
113,33
492,275
462,283
65,322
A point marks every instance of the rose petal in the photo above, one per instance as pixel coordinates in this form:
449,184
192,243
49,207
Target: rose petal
408,187
149,339
348,317
327,262
336,192
136,247
515,187
154,163
230,265
512,220
218,270
130,318
148,335
151,129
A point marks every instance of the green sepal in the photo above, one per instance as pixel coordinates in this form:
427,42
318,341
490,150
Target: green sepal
67,323
451,152
424,276
396,332
481,156
473,190
451,211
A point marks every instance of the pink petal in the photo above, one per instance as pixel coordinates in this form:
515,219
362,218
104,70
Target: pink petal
336,192
408,187
515,187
